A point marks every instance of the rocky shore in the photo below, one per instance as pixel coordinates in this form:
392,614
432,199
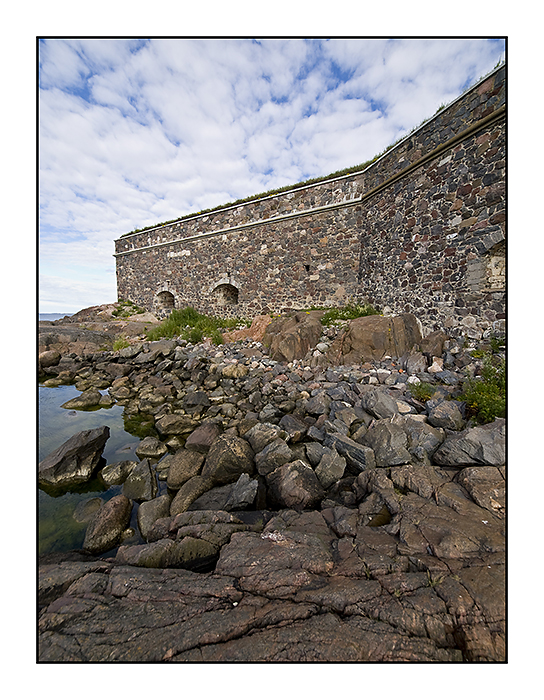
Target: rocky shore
295,501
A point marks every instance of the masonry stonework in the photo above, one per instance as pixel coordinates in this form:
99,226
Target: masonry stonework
422,230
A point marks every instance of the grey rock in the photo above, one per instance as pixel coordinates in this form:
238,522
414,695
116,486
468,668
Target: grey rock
330,468
115,474
88,399
228,458
243,493
295,428
379,404
188,493
151,511
141,483
151,447
446,415
182,466
319,404
75,461
295,485
176,424
105,529
273,456
389,443
359,457
261,434
484,445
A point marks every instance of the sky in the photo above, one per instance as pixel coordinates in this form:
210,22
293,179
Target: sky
133,132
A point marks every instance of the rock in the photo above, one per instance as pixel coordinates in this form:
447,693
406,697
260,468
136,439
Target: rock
201,439
433,344
88,399
105,529
423,439
446,415
261,434
228,458
295,428
182,466
192,553
319,404
235,371
152,448
86,510
243,494
484,445
75,461
486,485
373,337
416,363
273,456
295,485
330,469
359,457
195,400
188,493
437,366
49,358
291,337
388,442
150,511
176,424
379,404
256,331
154,555
116,473
141,483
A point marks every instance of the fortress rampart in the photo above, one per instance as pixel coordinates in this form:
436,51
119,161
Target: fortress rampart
421,230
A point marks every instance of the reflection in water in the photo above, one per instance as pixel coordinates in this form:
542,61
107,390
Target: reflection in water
58,530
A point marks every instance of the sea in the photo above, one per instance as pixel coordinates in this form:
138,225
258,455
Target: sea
53,317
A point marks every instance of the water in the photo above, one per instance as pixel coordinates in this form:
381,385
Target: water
58,531
53,317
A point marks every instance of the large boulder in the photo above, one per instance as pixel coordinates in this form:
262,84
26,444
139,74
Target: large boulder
389,443
485,445
255,332
141,483
109,523
88,399
182,466
290,337
228,458
295,485
372,337
75,461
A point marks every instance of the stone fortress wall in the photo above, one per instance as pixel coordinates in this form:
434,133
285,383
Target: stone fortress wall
421,230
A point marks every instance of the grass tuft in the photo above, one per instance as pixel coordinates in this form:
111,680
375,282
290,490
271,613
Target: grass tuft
485,396
193,326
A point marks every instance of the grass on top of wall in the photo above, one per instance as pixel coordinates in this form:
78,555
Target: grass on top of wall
193,326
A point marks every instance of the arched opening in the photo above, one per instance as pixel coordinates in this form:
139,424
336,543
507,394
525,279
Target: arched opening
165,301
226,294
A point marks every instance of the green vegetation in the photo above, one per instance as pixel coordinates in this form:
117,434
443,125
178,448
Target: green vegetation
120,343
126,309
347,313
485,396
192,326
422,391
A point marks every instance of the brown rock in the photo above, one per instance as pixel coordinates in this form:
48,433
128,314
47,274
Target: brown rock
255,332
289,338
372,337
105,530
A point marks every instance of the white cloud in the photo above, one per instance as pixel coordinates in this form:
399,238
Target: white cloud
135,132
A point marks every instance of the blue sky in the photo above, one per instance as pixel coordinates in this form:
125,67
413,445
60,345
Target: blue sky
134,132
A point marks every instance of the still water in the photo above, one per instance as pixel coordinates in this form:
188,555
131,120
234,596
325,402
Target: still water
58,531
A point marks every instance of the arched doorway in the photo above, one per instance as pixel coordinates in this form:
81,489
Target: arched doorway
226,294
165,301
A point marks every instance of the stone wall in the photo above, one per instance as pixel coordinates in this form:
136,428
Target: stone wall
421,229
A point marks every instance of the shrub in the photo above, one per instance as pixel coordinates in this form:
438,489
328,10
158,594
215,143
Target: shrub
120,343
348,312
422,391
126,309
485,396
190,325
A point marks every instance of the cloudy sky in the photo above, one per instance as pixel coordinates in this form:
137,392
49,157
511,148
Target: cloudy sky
133,132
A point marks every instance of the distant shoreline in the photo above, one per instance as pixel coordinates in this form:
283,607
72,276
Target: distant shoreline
53,316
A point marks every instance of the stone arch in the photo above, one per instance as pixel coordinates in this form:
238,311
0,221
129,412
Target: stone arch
226,294
165,301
